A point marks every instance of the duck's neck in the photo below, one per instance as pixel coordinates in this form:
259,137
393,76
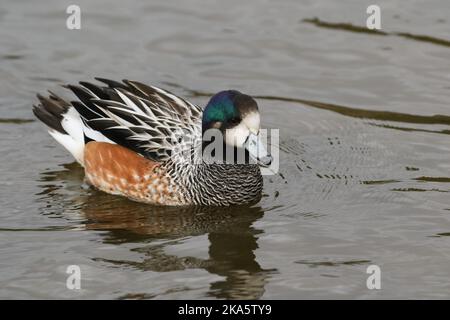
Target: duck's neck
213,153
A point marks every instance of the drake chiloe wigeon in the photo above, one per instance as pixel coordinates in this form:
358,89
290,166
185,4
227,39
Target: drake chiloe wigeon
127,136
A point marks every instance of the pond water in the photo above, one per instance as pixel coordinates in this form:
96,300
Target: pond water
364,174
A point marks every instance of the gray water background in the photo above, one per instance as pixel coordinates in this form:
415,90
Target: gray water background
364,178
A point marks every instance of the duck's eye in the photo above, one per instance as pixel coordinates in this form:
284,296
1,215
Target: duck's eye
234,120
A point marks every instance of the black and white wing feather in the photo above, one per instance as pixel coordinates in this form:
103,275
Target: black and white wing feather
146,119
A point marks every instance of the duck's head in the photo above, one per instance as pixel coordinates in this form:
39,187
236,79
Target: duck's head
237,116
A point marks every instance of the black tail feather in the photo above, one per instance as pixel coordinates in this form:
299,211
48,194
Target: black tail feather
50,111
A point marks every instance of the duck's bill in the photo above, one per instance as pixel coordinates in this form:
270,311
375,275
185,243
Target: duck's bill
257,151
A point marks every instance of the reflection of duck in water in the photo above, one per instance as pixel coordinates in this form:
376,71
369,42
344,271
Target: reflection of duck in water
232,238
142,142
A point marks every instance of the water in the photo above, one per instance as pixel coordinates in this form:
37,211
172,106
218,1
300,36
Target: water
364,177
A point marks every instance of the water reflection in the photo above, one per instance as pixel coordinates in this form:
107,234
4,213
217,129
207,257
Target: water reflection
230,231
360,29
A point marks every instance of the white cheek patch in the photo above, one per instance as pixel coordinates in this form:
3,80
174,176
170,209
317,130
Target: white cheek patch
253,122
237,136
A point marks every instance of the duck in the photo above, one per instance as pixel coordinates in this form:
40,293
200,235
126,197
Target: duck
148,144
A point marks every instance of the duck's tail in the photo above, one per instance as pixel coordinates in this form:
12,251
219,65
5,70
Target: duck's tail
64,122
